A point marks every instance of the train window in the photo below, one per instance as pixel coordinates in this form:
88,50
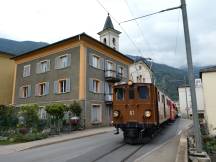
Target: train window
131,93
143,92
119,93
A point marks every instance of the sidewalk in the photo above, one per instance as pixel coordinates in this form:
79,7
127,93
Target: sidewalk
60,138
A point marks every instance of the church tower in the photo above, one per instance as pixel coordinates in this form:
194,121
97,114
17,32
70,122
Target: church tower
109,35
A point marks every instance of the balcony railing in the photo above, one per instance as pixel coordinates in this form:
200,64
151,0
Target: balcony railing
113,76
108,98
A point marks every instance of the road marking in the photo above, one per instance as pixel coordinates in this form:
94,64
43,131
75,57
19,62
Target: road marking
179,132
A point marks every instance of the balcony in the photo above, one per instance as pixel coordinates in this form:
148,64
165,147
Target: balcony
108,98
112,76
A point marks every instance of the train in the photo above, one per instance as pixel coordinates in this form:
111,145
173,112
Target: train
140,110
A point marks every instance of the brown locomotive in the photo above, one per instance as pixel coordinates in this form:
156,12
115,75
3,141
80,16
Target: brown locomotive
139,109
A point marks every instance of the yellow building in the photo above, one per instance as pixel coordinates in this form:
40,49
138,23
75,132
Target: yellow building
208,76
6,77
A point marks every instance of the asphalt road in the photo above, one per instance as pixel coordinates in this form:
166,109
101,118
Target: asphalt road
101,148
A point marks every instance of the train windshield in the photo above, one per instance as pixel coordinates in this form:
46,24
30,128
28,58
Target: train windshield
131,94
119,93
143,92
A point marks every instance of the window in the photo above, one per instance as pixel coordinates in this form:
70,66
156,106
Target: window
43,66
114,41
119,93
140,67
104,40
25,91
95,61
139,78
26,70
120,70
42,89
158,95
131,93
96,86
143,92
62,61
62,86
96,114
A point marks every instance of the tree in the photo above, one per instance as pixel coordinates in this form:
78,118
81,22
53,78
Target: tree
75,108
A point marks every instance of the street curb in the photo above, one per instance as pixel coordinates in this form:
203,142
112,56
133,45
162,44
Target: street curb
182,154
53,140
64,140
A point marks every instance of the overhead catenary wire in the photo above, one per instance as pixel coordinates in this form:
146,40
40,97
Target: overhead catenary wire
151,14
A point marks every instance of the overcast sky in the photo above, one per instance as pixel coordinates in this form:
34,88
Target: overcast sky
159,37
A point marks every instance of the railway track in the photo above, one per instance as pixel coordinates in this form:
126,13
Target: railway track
115,149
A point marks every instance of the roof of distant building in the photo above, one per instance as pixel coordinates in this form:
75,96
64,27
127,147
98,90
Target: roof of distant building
207,70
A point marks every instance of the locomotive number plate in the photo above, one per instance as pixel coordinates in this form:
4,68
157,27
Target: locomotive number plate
131,112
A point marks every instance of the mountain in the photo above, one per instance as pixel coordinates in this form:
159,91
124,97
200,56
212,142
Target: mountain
167,78
19,47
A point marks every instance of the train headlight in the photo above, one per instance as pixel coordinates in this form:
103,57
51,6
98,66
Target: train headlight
148,113
116,114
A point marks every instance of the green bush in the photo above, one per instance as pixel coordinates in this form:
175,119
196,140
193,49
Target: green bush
27,137
8,118
210,144
75,108
30,114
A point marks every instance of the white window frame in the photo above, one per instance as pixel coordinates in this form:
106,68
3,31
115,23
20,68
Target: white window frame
43,67
96,86
64,63
96,64
64,84
22,91
26,70
100,114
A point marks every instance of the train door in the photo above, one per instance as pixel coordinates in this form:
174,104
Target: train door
131,105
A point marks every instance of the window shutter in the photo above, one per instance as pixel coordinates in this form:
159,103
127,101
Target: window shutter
37,90
21,92
29,90
46,88
38,68
90,59
48,65
69,59
55,87
101,60
90,84
68,85
57,63
101,87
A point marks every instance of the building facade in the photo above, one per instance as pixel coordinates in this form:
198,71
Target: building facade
140,72
208,76
79,68
185,100
6,77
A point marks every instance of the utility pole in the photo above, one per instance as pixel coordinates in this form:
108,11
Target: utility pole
187,108
191,78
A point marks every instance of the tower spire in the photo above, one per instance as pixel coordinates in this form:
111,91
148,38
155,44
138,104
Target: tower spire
109,35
